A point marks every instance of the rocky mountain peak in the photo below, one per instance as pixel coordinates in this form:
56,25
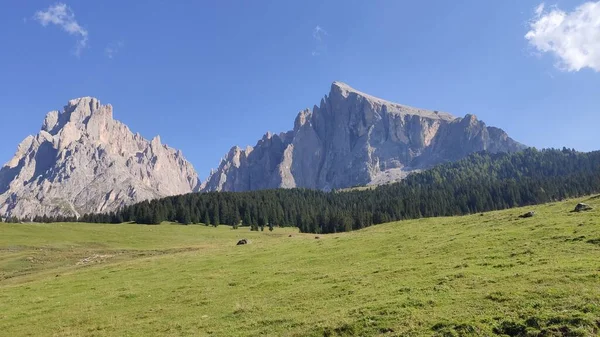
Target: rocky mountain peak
85,105
83,161
78,114
155,142
302,118
341,92
342,89
353,138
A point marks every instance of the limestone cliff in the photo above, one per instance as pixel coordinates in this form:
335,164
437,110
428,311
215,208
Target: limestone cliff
84,161
352,139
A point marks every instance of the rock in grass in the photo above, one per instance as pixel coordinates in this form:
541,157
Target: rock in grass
527,215
582,207
242,242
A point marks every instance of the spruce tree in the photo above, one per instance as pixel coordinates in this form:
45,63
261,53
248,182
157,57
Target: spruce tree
206,219
215,222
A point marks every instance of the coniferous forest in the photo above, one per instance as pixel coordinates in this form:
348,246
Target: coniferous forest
481,182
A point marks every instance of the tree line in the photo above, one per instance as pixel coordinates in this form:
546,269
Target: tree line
478,183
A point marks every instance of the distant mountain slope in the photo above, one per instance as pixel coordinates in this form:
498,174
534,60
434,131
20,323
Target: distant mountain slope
85,161
355,139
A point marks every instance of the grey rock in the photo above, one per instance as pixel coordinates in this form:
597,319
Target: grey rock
353,139
529,214
84,161
580,207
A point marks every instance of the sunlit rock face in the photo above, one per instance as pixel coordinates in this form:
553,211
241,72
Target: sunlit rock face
84,161
353,139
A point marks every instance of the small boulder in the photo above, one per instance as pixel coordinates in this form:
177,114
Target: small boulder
289,236
316,237
527,215
582,207
242,242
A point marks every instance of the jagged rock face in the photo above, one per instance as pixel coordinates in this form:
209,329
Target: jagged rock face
353,139
84,161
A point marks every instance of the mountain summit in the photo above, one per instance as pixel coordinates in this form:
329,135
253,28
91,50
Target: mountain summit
353,138
84,161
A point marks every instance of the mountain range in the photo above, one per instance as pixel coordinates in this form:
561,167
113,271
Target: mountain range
84,161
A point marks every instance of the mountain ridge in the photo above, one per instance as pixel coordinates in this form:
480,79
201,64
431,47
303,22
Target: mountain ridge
353,138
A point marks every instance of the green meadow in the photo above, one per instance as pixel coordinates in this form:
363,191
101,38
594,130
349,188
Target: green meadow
478,275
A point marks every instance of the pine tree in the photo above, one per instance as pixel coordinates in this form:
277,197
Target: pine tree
206,219
236,219
215,222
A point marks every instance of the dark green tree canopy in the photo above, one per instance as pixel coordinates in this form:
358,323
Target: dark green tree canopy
481,182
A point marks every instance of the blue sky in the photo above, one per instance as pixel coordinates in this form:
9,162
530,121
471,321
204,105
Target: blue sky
210,75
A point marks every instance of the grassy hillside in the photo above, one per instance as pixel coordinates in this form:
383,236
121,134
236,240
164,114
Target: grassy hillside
475,275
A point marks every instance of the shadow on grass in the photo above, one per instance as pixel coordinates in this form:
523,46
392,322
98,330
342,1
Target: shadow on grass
552,326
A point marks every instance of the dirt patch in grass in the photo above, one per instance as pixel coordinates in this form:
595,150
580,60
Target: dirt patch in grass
96,258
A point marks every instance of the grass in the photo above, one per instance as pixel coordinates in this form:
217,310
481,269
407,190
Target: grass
478,275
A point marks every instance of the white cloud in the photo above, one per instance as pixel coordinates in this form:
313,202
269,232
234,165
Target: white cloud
61,15
539,10
319,35
113,48
573,37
